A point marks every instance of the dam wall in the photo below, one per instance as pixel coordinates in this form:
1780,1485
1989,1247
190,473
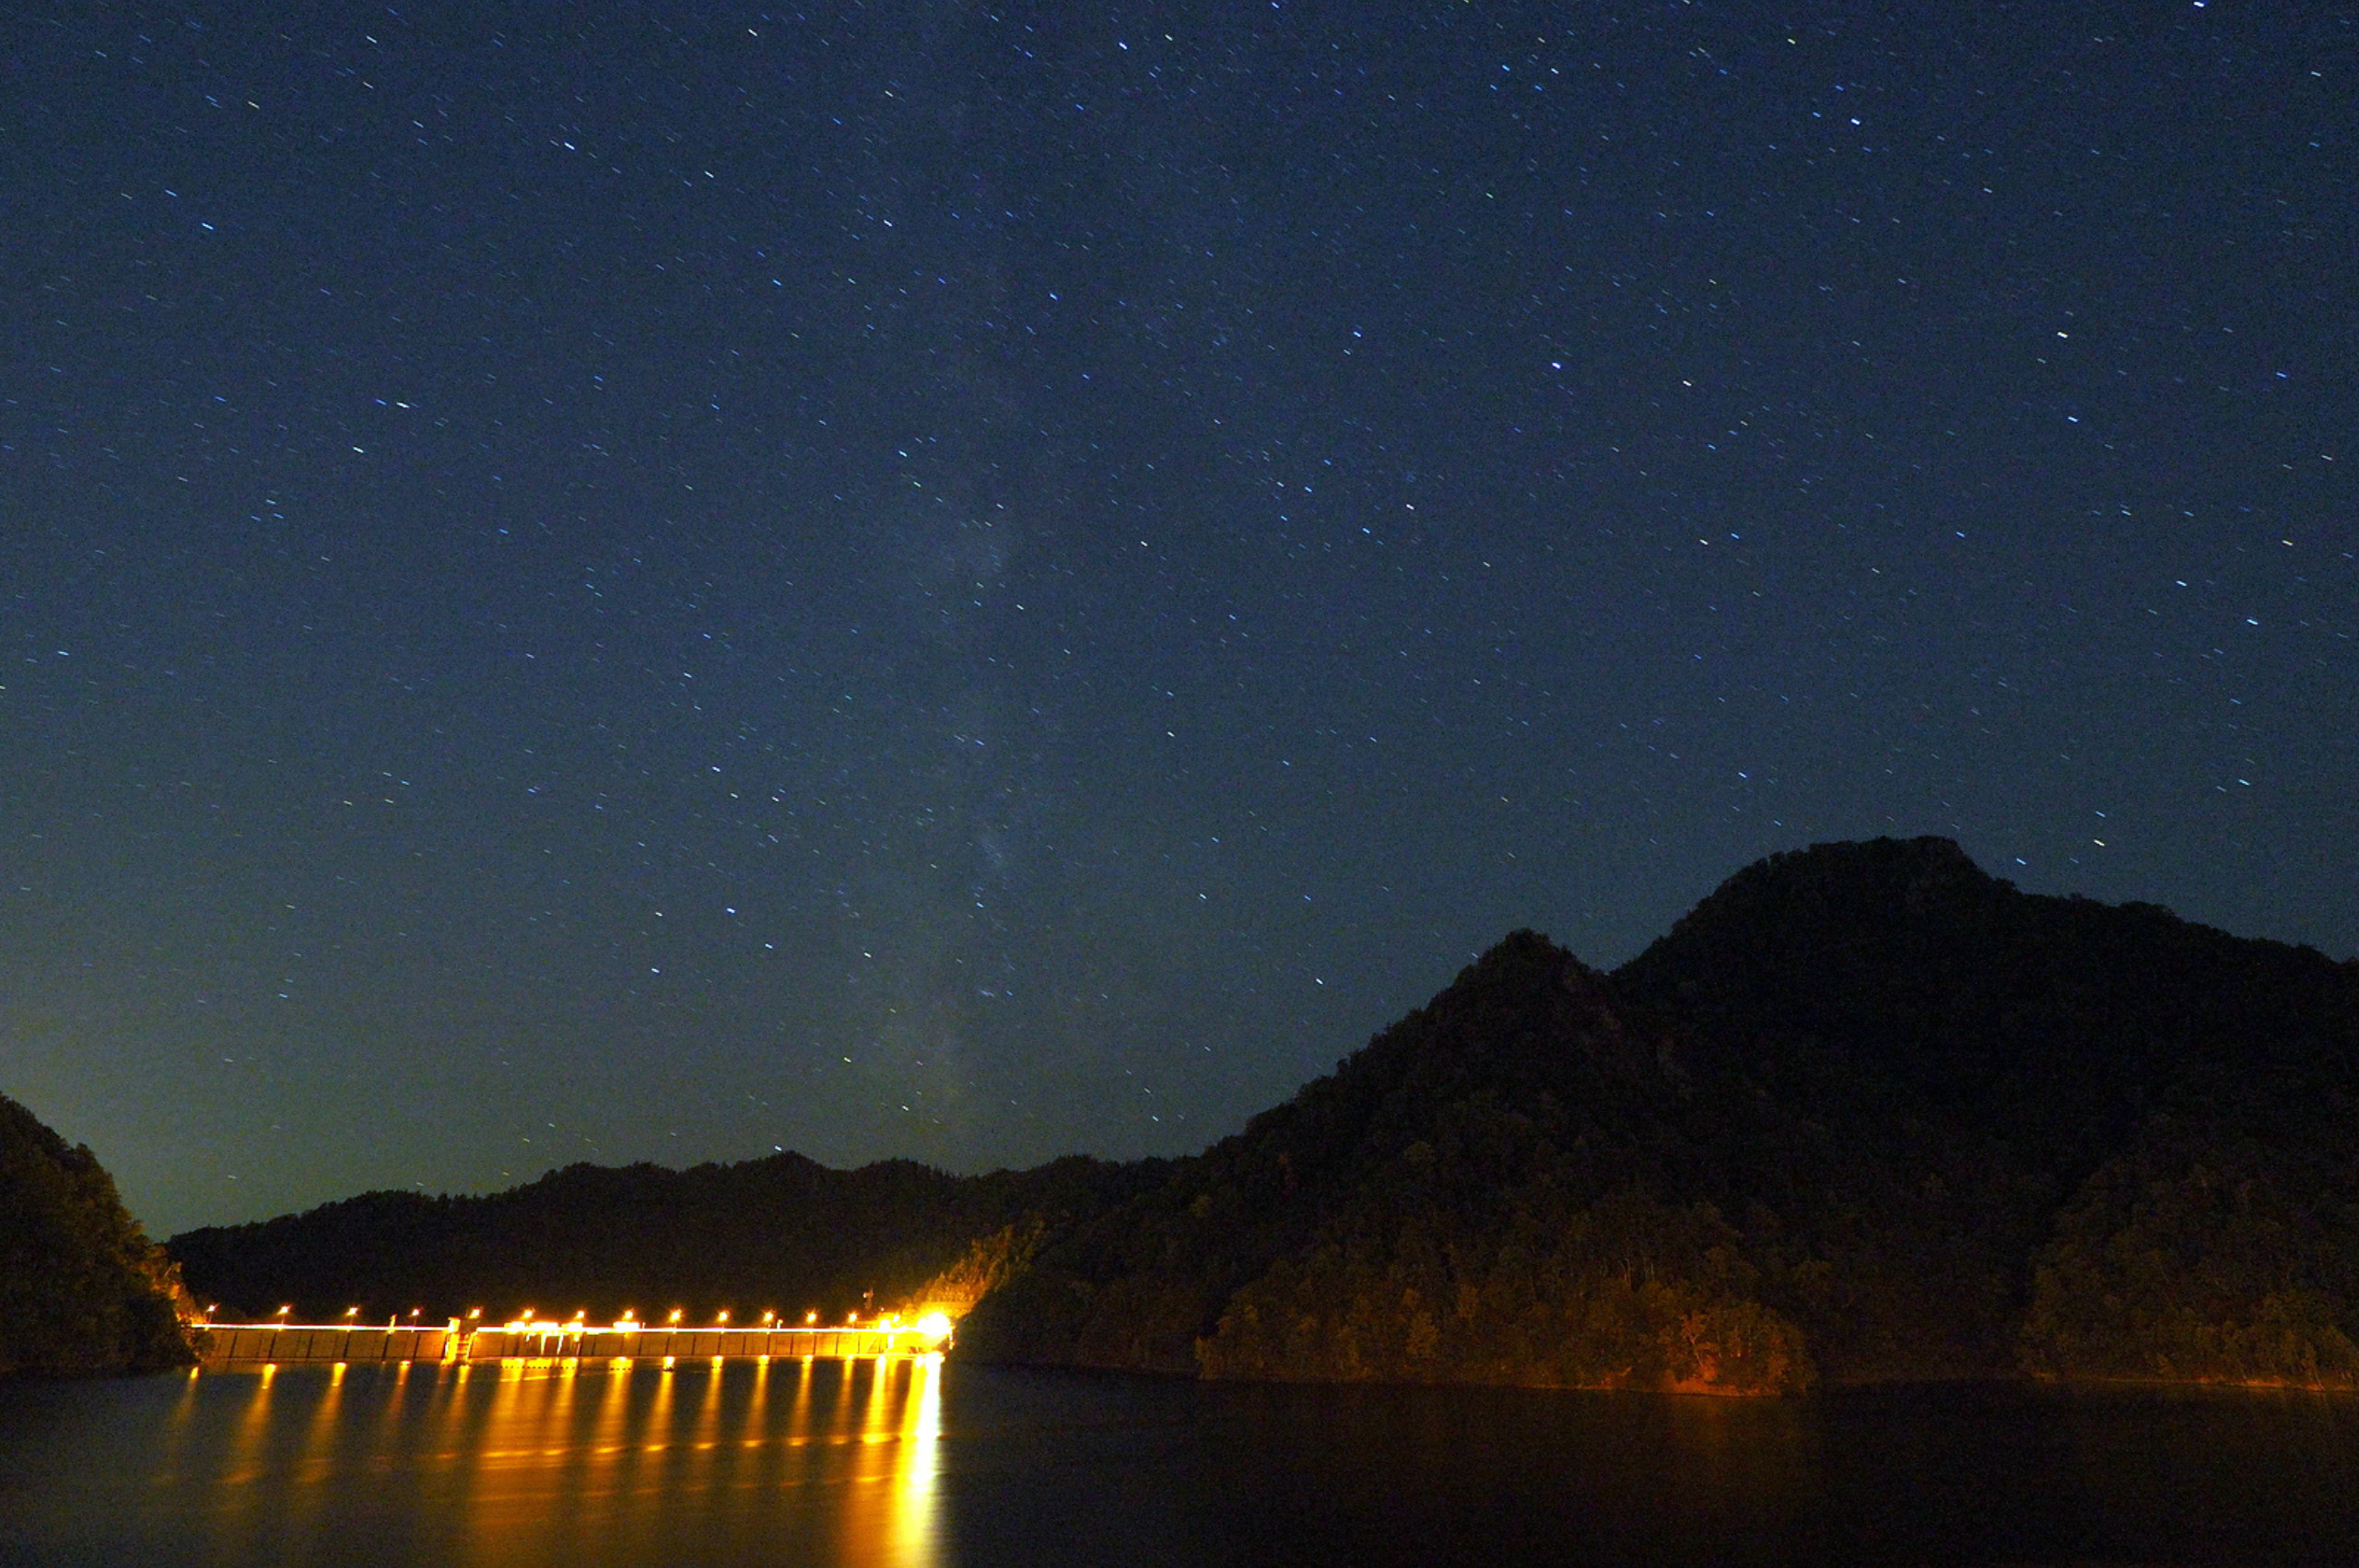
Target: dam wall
286,1342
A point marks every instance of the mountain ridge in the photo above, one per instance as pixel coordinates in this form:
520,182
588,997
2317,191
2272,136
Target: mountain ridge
1866,1113
1861,1097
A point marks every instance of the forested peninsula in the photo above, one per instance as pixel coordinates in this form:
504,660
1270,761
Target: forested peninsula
81,1289
1866,1114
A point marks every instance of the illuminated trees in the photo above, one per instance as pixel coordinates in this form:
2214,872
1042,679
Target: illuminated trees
81,1290
2204,1258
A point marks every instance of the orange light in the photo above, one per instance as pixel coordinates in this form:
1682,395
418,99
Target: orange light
811,1318
675,1315
723,1318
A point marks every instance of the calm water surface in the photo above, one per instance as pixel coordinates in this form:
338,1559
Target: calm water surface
914,1463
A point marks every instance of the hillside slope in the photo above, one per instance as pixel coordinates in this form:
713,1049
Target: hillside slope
1512,1184
1866,1113
784,1233
81,1290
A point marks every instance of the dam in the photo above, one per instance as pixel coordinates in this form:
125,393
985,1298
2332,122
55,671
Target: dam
459,1340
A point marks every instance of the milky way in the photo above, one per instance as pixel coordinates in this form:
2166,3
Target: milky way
623,583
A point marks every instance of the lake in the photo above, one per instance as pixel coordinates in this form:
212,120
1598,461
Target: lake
917,1464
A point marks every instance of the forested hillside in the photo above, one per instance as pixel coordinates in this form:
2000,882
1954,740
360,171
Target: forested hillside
1867,1113
81,1289
782,1234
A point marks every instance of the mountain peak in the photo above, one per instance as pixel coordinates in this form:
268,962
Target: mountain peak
1875,878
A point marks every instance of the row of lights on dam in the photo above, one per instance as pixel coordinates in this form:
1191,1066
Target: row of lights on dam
935,1324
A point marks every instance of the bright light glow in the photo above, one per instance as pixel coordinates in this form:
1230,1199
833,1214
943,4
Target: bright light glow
934,1325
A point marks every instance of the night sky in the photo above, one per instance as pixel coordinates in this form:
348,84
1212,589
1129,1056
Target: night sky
602,582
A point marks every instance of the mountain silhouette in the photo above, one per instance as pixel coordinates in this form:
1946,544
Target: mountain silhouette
1866,1113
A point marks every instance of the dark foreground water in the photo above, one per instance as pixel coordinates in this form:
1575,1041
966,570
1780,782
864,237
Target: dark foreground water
910,1462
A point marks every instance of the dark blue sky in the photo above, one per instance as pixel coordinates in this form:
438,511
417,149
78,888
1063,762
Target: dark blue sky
601,582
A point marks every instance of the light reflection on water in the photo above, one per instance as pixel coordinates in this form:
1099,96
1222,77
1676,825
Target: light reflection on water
521,1463
905,1464
578,1465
